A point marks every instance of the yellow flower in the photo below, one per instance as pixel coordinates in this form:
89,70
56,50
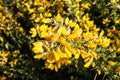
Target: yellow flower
106,42
60,53
37,47
63,41
41,15
40,55
113,1
51,57
89,62
11,64
1,38
91,44
78,0
117,70
44,27
106,21
84,54
3,78
41,9
65,31
101,33
85,17
118,49
33,16
33,32
75,33
49,65
88,36
5,59
37,56
15,61
111,63
1,14
85,5
55,36
88,57
52,66
90,23
77,54
46,20
57,57
58,18
93,64
37,19
31,10
117,21
43,34
99,72
68,52
72,24
1,7
66,20
48,14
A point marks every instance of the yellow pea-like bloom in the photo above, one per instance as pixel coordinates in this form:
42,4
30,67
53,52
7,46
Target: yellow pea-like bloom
90,23
37,56
111,63
85,5
91,44
58,18
75,33
65,31
43,34
117,70
60,53
37,19
117,21
94,54
40,55
84,54
99,72
106,42
63,41
106,21
66,20
43,27
33,32
57,57
101,33
118,49
46,20
113,1
87,64
55,36
1,7
37,47
78,54
49,65
68,52
51,57
88,58
72,24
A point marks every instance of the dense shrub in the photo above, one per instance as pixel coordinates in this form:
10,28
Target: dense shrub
59,39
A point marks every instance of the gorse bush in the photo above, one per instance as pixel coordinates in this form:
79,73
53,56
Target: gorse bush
60,39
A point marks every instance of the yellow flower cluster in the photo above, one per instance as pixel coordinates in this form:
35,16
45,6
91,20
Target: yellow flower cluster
114,34
3,58
63,37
